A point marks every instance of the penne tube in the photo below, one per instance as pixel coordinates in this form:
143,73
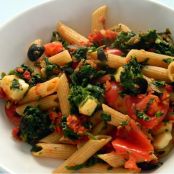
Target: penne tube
57,151
61,58
99,18
83,154
152,58
104,168
156,73
41,90
44,104
112,159
117,118
171,71
63,93
71,35
115,61
120,28
51,138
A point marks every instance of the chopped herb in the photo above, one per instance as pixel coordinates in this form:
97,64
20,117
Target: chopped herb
35,124
3,74
124,123
159,114
96,91
168,60
86,74
80,53
132,79
122,39
15,85
57,37
51,69
159,83
105,116
142,115
36,78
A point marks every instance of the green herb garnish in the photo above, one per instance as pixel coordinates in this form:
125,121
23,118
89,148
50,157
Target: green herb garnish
168,60
105,116
15,85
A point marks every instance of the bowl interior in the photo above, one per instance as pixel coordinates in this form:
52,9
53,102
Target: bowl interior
39,22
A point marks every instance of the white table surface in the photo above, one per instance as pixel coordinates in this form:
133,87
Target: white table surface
10,8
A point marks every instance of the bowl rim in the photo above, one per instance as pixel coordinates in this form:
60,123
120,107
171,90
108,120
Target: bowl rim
39,5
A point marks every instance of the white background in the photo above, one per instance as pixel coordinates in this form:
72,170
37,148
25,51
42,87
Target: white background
9,8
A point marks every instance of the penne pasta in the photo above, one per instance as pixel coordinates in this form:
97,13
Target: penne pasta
171,71
117,118
61,58
112,159
58,151
51,138
44,104
120,28
99,18
115,61
104,168
41,90
63,93
83,154
151,58
71,35
156,73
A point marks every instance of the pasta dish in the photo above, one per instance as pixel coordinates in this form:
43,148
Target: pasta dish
102,103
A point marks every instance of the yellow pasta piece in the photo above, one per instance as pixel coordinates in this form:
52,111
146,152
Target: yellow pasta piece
171,71
44,104
120,28
156,73
117,118
63,93
41,90
58,151
115,61
104,168
112,159
151,58
99,18
71,35
83,154
61,58
51,138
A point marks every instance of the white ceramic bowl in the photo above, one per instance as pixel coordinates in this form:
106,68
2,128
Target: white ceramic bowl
39,22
